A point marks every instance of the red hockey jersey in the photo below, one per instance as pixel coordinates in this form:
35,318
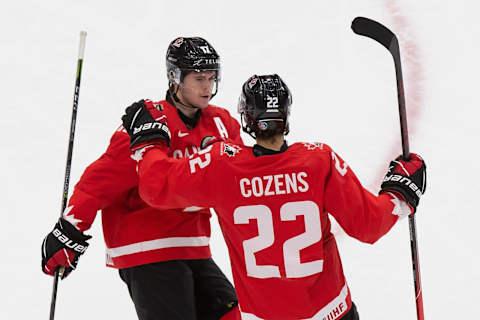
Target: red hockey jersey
134,232
273,213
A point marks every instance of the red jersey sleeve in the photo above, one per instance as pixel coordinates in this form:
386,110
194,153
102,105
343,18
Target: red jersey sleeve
102,181
181,186
361,214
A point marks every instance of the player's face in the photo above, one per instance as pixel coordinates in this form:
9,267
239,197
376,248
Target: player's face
196,88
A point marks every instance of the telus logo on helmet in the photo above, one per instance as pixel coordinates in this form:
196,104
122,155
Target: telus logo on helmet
199,62
68,242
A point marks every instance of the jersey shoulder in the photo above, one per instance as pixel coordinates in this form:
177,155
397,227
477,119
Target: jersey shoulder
163,105
315,157
213,110
174,121
311,148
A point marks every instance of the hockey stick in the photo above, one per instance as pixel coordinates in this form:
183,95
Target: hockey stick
378,32
81,49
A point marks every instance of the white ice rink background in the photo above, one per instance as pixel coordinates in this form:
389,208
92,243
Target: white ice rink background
344,94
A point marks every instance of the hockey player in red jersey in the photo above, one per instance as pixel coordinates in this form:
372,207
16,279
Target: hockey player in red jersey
162,256
272,202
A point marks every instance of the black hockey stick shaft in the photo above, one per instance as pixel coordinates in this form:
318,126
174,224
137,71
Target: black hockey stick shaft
66,182
380,33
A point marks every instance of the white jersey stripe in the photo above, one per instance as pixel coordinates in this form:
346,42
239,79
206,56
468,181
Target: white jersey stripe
158,244
221,127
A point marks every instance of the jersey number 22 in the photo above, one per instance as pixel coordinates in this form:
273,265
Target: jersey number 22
291,247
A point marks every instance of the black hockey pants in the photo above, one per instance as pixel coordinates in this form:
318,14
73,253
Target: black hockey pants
352,314
179,290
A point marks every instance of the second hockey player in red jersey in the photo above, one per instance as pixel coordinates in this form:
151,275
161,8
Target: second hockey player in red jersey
273,201
163,257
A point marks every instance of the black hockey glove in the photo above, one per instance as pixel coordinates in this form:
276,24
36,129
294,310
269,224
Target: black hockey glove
406,178
63,247
146,124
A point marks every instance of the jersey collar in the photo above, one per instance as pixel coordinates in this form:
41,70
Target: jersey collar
258,150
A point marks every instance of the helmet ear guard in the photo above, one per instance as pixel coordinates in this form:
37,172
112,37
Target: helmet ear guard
264,106
174,74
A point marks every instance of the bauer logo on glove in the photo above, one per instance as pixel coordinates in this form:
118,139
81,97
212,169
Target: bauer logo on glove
145,124
407,179
152,126
404,180
75,246
63,247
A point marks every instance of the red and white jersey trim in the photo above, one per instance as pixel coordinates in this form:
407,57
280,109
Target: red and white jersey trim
174,242
333,310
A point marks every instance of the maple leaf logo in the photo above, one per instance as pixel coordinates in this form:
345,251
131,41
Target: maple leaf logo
230,149
70,217
313,146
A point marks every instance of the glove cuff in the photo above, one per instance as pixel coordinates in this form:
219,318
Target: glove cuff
405,194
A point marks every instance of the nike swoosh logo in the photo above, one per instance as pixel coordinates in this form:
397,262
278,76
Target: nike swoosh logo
183,134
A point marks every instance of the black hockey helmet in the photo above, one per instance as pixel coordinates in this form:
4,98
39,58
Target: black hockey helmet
185,55
264,106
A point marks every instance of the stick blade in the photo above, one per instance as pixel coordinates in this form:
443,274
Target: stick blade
374,30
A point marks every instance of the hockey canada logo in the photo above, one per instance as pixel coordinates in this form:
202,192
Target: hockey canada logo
313,146
252,83
178,42
230,149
